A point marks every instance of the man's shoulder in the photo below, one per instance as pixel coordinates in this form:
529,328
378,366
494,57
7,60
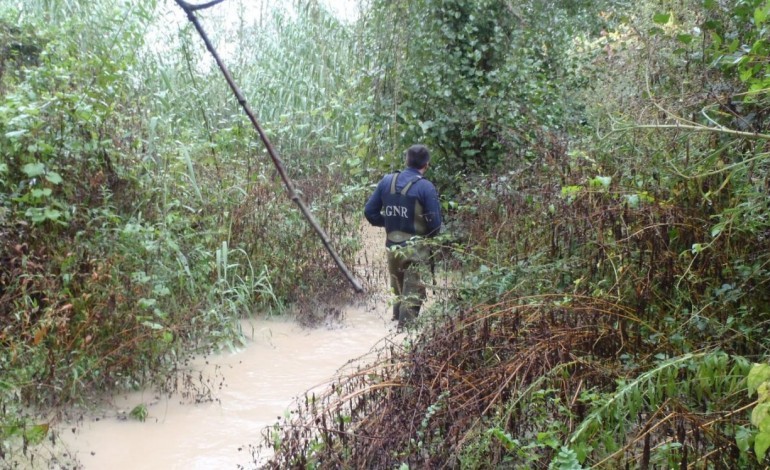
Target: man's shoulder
385,179
425,182
426,188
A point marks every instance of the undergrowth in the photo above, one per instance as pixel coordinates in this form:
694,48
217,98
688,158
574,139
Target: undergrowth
612,294
138,222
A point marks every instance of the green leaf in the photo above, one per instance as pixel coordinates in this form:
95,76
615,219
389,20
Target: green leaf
661,18
763,392
15,134
582,450
566,459
760,417
35,214
139,412
684,38
33,169
152,325
39,193
761,443
746,74
743,438
53,177
52,214
758,374
147,303
760,16
601,181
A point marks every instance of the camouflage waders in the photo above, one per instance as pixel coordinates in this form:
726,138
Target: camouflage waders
404,265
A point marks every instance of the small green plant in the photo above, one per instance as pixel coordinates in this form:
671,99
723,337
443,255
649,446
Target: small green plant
139,412
758,381
566,459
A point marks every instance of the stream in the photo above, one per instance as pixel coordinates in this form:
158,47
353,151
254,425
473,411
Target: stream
250,389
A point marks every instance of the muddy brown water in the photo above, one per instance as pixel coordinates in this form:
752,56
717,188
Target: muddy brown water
258,385
280,363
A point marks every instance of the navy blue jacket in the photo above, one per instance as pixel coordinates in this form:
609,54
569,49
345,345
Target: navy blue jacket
422,189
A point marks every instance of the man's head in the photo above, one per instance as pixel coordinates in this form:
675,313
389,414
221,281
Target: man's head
417,157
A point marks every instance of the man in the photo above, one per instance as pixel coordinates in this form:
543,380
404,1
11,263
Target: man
407,205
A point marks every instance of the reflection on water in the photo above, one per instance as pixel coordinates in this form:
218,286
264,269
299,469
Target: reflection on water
281,362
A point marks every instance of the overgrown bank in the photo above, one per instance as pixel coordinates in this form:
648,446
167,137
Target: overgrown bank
616,277
139,220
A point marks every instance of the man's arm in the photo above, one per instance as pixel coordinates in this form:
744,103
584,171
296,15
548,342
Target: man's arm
431,209
373,207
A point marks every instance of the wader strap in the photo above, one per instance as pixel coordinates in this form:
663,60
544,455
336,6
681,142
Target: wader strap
406,188
409,185
393,182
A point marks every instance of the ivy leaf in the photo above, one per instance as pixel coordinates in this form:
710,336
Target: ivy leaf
661,18
758,374
33,169
761,443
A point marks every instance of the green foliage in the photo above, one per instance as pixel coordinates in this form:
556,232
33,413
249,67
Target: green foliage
139,412
653,212
759,382
566,459
476,81
138,219
708,378
739,43
608,157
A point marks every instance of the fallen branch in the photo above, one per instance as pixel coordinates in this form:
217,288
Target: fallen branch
190,9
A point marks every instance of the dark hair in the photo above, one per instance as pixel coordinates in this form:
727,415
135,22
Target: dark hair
417,156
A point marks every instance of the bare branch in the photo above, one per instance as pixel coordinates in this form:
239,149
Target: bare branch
189,7
277,162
